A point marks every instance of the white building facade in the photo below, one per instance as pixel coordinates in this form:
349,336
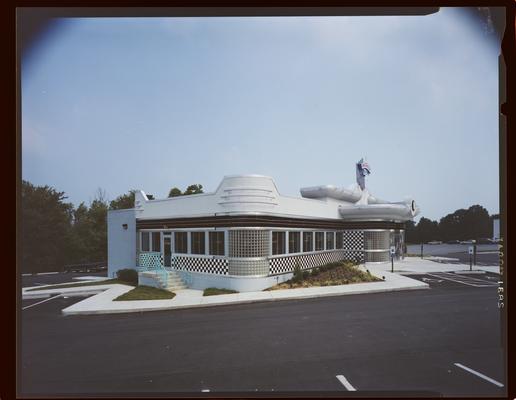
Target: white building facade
245,236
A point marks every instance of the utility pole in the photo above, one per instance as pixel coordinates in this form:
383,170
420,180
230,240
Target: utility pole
392,251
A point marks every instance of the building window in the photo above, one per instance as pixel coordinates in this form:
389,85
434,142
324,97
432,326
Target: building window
156,241
330,240
294,242
278,243
319,241
216,243
308,241
181,242
198,244
145,241
339,240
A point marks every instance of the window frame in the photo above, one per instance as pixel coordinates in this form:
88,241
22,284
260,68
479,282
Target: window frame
176,242
323,241
284,233
292,233
311,233
210,248
201,242
327,236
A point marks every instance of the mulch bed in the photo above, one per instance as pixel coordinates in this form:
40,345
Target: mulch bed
341,273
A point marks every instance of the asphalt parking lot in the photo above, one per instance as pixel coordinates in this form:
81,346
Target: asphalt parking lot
442,341
54,278
446,280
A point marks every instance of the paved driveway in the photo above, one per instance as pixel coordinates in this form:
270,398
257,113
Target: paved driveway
378,343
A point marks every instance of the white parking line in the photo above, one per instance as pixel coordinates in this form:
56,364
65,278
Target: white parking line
205,390
466,281
39,302
467,278
345,382
479,374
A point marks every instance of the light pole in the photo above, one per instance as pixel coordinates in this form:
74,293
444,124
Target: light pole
392,251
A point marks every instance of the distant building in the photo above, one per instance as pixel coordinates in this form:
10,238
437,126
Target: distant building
246,236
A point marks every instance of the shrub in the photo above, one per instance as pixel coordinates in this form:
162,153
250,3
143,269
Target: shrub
298,275
306,274
216,291
315,271
127,275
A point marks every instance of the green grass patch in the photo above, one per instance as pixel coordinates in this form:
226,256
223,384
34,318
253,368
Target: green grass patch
146,293
79,284
214,291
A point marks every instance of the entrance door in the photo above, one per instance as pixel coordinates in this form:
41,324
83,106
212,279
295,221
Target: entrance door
167,242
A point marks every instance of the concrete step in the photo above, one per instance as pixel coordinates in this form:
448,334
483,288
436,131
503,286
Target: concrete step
173,282
176,287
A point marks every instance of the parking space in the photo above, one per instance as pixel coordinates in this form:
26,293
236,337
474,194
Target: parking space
46,309
433,372
451,279
51,279
404,344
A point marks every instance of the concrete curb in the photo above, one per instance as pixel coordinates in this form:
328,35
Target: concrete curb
475,271
228,303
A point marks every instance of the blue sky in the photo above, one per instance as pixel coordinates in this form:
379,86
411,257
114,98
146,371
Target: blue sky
152,103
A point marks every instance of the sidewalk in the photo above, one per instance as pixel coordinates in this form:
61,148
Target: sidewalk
102,302
417,265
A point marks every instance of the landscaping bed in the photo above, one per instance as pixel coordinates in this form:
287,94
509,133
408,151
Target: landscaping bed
146,293
214,291
338,273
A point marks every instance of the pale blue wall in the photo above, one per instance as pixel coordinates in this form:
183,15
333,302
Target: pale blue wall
121,242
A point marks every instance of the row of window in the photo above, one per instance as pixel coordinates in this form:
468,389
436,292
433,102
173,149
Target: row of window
323,241
151,241
297,242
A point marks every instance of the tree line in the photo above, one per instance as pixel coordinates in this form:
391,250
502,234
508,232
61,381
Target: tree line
54,233
463,224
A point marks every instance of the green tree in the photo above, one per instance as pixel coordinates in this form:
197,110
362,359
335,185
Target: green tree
427,230
123,201
411,233
193,189
174,192
89,231
97,215
45,228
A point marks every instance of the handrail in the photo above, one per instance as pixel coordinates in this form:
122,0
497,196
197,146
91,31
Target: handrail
156,267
